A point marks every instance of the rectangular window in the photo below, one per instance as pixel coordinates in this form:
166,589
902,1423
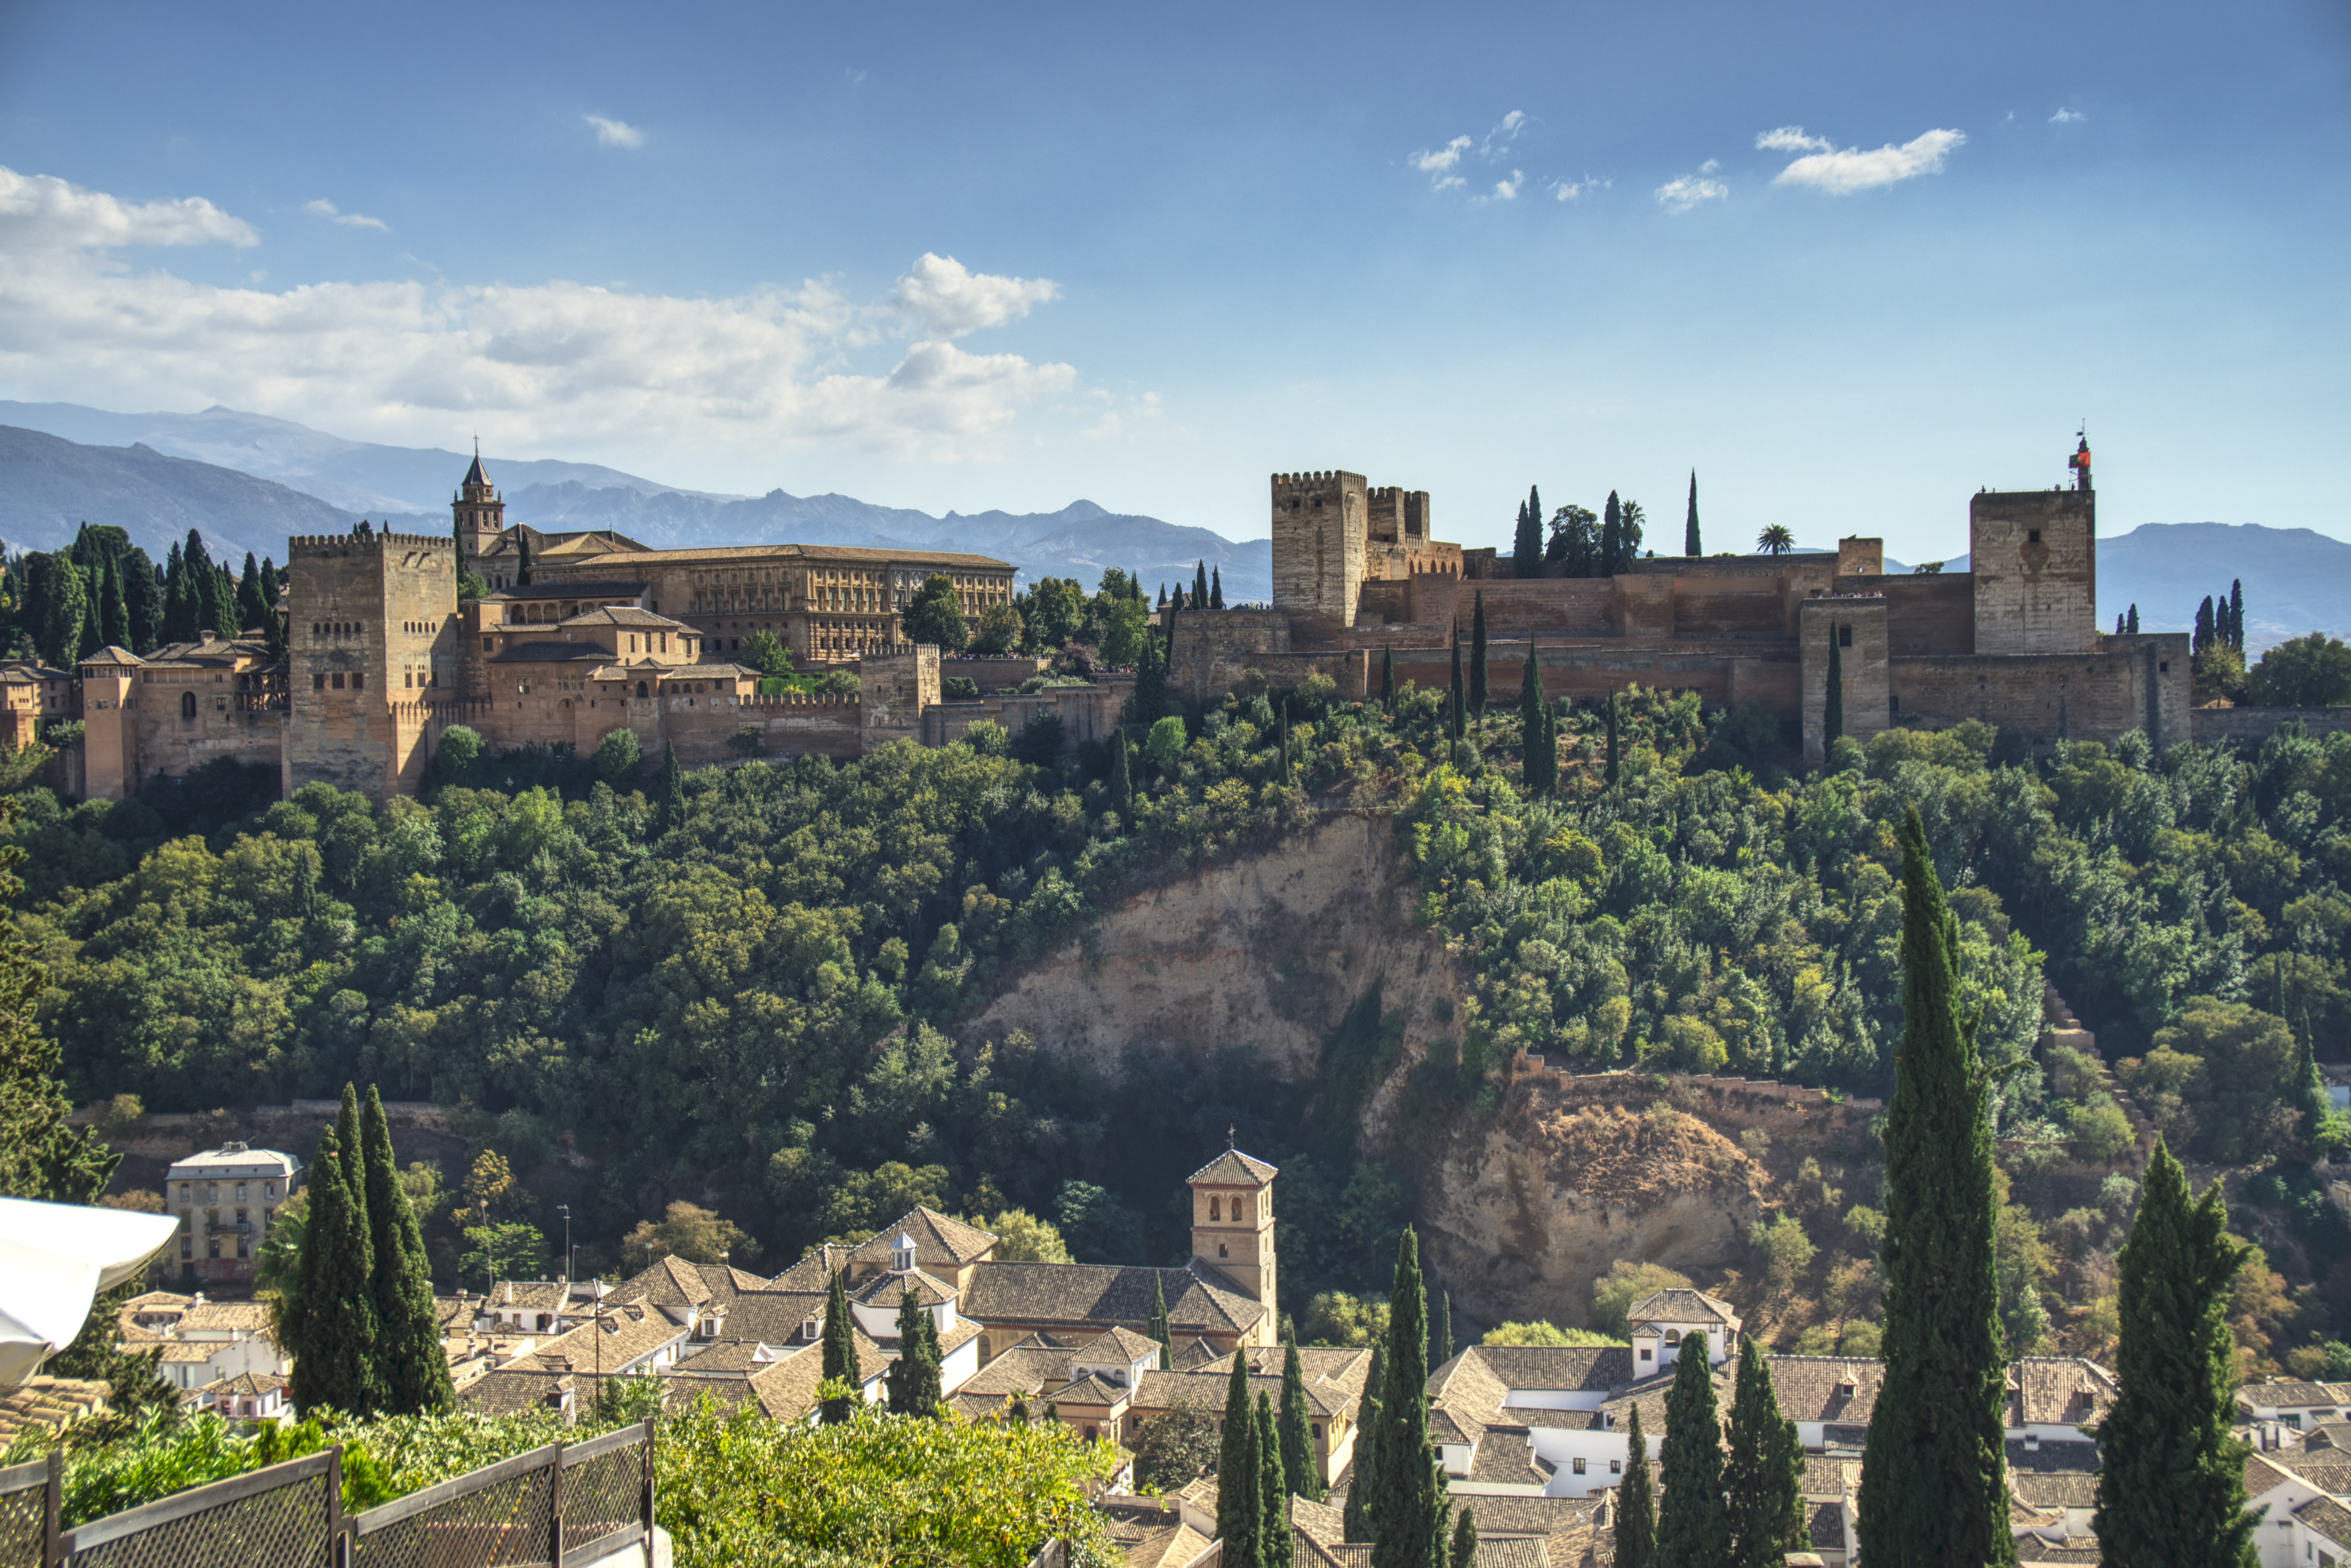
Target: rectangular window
240,1192
1647,1354
1579,1466
1844,636
1616,1467
2033,537
338,682
359,680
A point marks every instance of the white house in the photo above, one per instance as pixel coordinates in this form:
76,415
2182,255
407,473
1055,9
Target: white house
225,1199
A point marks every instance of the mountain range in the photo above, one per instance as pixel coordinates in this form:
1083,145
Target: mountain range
62,464
246,481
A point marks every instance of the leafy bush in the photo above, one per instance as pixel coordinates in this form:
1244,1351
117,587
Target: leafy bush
1543,1334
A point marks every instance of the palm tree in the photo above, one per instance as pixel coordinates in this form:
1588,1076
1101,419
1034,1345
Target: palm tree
1775,541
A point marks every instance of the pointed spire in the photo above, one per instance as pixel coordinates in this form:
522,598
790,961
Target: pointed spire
474,475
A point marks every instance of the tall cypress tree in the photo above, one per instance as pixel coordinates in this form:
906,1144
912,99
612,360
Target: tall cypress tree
1612,535
1693,1528
1832,699
672,788
225,616
1387,678
2171,1480
1440,1331
337,1368
1934,1488
1281,730
1215,588
415,1372
1465,1540
839,1348
1150,678
2205,629
1527,545
1273,1543
522,559
114,606
1404,1508
1159,1329
1459,700
1357,1522
2237,614
1690,544
1530,724
252,606
1481,662
1765,1476
1637,1512
913,1380
1297,1431
1237,1465
1200,585
66,606
2130,620
142,594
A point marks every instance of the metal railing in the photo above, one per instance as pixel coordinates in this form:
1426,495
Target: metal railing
556,1507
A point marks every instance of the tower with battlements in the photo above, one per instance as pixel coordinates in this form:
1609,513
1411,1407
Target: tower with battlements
371,629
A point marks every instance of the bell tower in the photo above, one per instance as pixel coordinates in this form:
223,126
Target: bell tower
1232,1230
481,515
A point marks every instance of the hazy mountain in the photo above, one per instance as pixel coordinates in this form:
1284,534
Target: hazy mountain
49,487
2296,581
249,479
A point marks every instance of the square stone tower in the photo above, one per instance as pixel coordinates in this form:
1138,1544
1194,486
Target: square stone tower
1232,1227
370,640
1319,525
2034,555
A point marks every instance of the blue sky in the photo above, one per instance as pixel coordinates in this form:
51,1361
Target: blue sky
1849,262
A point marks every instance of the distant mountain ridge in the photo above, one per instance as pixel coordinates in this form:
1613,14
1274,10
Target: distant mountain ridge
275,471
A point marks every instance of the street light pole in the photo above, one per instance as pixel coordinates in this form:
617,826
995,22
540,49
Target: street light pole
565,1209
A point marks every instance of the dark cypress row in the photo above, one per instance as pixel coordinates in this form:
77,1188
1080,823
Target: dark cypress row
1526,545
1402,1503
1215,588
1236,1466
1693,1528
1388,679
1612,740
338,1366
2171,1479
416,1371
913,1380
1298,1462
1459,699
1273,1543
838,1349
1159,1329
1934,1487
1200,586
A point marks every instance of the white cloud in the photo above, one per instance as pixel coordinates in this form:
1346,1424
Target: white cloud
1443,159
1507,131
1508,189
944,298
41,211
2067,117
1570,190
1792,138
614,132
1447,182
554,365
1842,173
1680,195
323,208
1709,166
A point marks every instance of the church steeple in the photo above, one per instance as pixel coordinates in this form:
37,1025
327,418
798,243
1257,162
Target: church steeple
481,515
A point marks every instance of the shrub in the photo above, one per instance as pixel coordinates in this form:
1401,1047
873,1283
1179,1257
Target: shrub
2101,1130
1543,1334
1615,1293
618,758
959,688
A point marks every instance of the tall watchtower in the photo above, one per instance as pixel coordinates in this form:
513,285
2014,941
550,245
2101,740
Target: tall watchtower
1319,525
1232,1227
2034,555
370,640
481,515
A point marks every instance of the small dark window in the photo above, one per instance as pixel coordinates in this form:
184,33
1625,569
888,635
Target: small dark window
2032,538
2164,668
359,680
187,705
1220,1250
318,683
338,680
1893,704
1844,636
641,691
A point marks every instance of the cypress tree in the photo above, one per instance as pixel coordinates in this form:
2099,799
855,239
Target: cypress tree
1612,535
2171,1480
1163,596
2204,625
1200,586
1693,1528
1765,1476
1387,678
1357,1521
114,606
1215,588
1236,1466
913,1380
1526,545
2237,614
415,1372
1832,699
1531,724
1273,1543
1440,1331
1636,1514
1612,740
167,626
1170,697
1404,1504
1481,662
1690,544
226,619
1465,1540
337,1367
1934,1487
1297,1430
522,559
839,1348
1122,800
1159,1329
672,788
252,607
1149,679
1458,700
142,593
2130,621
66,606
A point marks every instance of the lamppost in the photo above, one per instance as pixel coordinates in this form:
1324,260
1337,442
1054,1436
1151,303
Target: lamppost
565,1210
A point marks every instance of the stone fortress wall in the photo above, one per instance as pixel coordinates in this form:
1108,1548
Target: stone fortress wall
2014,642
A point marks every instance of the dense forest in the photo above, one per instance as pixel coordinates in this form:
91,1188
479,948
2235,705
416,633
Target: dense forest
743,987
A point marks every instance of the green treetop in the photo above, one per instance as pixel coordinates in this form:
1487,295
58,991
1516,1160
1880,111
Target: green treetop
935,616
416,1371
838,1349
1693,1527
1526,544
1273,1543
913,1380
1298,1461
2171,1479
1934,1488
1237,1465
1636,1514
337,1367
1405,1512
1765,1475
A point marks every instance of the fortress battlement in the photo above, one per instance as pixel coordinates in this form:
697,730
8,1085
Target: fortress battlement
361,544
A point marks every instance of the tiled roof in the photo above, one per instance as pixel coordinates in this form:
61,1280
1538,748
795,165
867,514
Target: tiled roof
669,1282
509,1391
566,589
1163,1546
2055,1489
1086,1390
2058,1391
623,615
536,650
51,1402
940,1240
2293,1394
884,1290
226,1317
1235,1169
531,1295
1104,1293
247,1384
190,1351
787,1390
222,652
811,554
1588,1368
1825,1526
1680,1306
1193,1353
2328,1518
110,654
1120,1345
611,1342
1827,1387
1503,1458
2328,1470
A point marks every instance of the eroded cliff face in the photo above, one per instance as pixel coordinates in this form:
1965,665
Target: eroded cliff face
1268,951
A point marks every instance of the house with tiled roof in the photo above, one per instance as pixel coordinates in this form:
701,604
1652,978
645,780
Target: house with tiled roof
248,1397
2294,1404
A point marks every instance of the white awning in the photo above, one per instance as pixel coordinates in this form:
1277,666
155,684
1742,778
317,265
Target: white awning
54,1257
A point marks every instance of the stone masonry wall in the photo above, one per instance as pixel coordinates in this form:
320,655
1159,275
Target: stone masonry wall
1317,545
2034,559
1857,623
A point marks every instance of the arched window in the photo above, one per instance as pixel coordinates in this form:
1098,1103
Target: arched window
1216,1209
1220,1249
1673,1337
187,705
641,691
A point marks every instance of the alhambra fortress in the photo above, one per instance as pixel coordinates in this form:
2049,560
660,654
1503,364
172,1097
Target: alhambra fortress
583,633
